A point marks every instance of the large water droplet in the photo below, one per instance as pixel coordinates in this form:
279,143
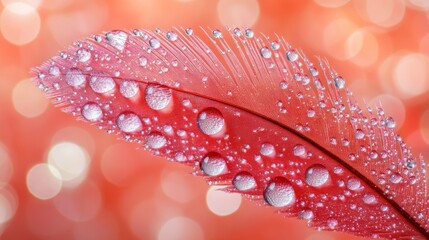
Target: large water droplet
213,164
154,43
265,52
298,150
210,121
353,184
128,88
157,97
244,181
92,112
117,39
316,175
279,193
155,140
129,122
74,77
267,149
101,83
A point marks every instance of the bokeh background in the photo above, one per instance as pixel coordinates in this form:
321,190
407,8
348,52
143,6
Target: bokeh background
62,179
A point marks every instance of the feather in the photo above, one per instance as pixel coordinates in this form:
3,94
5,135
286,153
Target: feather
249,112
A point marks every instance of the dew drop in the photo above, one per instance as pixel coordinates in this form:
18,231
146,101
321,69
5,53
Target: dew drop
292,55
332,223
316,175
155,140
265,52
83,55
74,77
369,198
54,71
279,192
101,84
267,149
213,164
154,43
390,122
298,150
395,178
158,97
311,113
189,31
142,61
210,121
359,134
275,45
244,181
92,112
353,184
172,36
306,214
129,122
217,34
237,32
128,88
249,33
117,39
339,82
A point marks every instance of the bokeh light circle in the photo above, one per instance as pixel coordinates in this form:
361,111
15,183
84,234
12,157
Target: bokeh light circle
44,181
238,12
222,203
28,100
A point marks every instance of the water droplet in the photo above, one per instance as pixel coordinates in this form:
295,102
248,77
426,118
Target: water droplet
129,122
128,88
142,61
279,193
189,31
395,178
369,198
244,181
237,32
267,149
217,34
83,55
353,184
92,112
101,83
180,157
154,43
316,175
390,122
298,150
74,77
311,113
332,223
210,121
117,39
155,140
172,36
213,164
359,134
54,71
339,82
306,214
292,55
313,71
158,97
249,33
275,45
265,52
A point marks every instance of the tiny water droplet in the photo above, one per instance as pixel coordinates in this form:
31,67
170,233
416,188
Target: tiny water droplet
117,39
369,198
359,134
316,175
265,52
275,45
213,164
279,193
158,97
244,181
154,43
395,178
332,223
306,214
172,36
189,31
237,32
390,122
54,71
128,88
249,33
267,149
101,83
339,82
155,140
353,184
74,77
217,34
92,112
311,113
292,55
210,121
83,55
298,150
142,61
129,122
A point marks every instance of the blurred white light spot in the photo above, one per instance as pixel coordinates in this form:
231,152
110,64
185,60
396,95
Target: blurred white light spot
6,167
331,3
222,203
33,3
8,205
421,4
385,13
334,41
238,12
70,159
44,181
362,47
28,100
19,23
180,228
79,204
411,74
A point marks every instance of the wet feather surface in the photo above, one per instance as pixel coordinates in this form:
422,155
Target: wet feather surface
250,112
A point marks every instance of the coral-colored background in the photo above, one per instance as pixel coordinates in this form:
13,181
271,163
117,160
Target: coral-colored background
381,47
